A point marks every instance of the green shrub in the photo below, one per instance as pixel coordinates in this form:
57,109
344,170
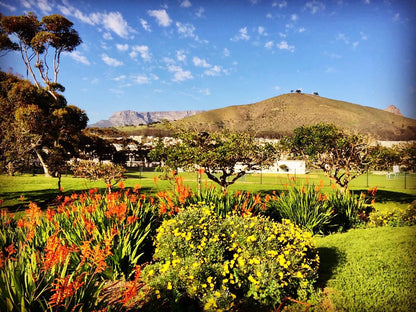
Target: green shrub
396,217
305,206
349,209
220,262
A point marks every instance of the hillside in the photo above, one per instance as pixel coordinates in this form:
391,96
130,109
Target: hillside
129,117
280,115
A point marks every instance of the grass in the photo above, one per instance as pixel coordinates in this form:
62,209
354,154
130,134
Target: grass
369,270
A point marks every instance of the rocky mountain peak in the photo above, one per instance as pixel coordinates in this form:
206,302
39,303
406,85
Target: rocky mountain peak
393,109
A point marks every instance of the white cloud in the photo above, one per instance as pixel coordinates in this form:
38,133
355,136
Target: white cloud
280,4
277,88
142,79
110,61
186,30
269,44
242,35
77,56
282,35
205,91
8,6
314,6
179,73
107,36
122,47
226,52
145,25
161,16
330,70
355,44
119,78
181,56
343,38
200,62
44,6
396,17
302,29
363,36
294,17
283,45
200,12
186,4
143,50
213,71
114,21
261,30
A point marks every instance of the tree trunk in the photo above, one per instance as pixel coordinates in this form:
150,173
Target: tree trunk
44,165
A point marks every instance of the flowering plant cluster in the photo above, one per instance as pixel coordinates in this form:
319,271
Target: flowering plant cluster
61,259
397,217
220,262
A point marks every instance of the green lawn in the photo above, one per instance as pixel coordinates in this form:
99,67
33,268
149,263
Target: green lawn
369,270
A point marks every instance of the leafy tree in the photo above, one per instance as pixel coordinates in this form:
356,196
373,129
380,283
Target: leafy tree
34,40
342,156
384,158
110,173
35,123
229,154
37,117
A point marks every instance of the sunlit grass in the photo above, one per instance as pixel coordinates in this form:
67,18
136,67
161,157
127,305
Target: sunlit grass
370,269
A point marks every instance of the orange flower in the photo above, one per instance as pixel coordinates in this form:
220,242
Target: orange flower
56,252
49,214
121,185
137,187
131,219
22,198
201,171
155,180
321,183
63,289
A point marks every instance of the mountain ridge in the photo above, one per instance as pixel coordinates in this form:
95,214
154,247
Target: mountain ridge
280,115
129,117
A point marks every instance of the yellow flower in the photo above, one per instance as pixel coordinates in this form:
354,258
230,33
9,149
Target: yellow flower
299,275
169,286
251,238
217,294
151,272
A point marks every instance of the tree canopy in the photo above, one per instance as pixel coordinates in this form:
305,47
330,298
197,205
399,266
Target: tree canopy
224,156
34,40
33,122
341,155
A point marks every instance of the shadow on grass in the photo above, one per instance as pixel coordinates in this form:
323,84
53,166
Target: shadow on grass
43,198
330,259
384,196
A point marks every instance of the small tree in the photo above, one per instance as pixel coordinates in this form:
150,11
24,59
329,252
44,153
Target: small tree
110,173
230,155
341,155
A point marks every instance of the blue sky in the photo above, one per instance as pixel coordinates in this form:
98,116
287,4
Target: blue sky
201,55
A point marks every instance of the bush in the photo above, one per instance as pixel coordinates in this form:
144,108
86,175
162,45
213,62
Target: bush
350,209
397,217
220,262
305,206
317,212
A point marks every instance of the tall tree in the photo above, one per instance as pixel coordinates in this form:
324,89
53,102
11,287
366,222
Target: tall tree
35,39
39,113
230,155
342,156
34,122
